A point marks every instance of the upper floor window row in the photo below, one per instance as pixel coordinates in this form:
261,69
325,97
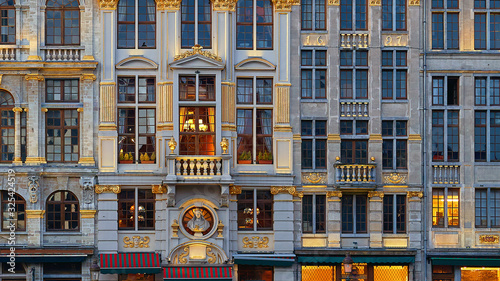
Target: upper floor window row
62,22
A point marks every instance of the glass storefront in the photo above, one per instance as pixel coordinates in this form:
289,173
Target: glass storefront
360,272
480,273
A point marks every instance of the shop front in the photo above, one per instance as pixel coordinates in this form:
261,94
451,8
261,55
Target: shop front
465,268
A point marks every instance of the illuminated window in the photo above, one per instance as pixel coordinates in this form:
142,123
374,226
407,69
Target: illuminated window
393,273
252,272
445,207
315,273
442,273
196,23
197,130
313,14
445,24
255,210
479,273
132,217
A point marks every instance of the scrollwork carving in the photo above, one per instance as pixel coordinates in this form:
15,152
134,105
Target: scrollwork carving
255,242
418,194
107,188
108,4
395,178
334,194
378,194
197,50
314,178
136,242
168,4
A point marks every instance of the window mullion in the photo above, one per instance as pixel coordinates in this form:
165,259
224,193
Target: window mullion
136,24
354,230
394,17
314,214
445,206
353,23
255,209
488,134
136,209
254,24
395,214
196,33
313,16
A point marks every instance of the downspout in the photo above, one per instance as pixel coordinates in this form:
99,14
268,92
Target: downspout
424,137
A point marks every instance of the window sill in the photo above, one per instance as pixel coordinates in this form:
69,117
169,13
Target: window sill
67,233
353,235
256,231
314,170
394,101
63,47
307,31
317,235
313,100
131,231
397,235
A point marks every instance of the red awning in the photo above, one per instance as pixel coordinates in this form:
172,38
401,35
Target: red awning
198,272
130,263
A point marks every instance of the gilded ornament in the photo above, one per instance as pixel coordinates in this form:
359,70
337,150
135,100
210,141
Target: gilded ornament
158,188
212,257
334,194
87,214
197,50
489,239
34,77
107,189
234,190
256,242
172,144
286,189
224,5
175,228
35,214
108,4
378,194
183,255
333,2
168,4
418,194
375,3
136,242
284,5
414,2
88,77
314,178
220,229
395,178
224,145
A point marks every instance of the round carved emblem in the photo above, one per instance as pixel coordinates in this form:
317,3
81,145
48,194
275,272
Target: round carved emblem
198,221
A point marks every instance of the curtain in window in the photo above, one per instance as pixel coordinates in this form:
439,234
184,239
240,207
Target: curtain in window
267,128
182,118
211,118
151,10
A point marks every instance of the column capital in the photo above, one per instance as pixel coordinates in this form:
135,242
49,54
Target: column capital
87,214
286,189
35,214
170,5
17,109
285,5
224,5
107,188
34,77
108,4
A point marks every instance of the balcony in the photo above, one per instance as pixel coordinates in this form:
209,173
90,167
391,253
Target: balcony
354,40
446,174
199,168
63,53
353,109
356,174
8,53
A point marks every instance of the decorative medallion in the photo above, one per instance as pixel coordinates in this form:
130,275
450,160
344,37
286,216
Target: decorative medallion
198,222
395,178
197,50
234,190
418,194
488,239
107,189
314,178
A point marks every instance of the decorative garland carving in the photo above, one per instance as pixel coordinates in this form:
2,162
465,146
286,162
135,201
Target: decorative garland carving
378,194
286,189
168,4
108,4
255,242
395,178
107,189
136,242
197,50
488,239
334,194
234,190
224,5
333,2
181,253
314,178
33,188
418,194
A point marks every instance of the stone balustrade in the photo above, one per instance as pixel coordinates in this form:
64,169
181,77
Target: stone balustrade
63,54
354,40
198,166
352,173
7,53
353,109
446,174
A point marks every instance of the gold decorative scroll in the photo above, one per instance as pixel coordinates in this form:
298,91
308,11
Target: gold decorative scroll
414,2
234,190
314,178
224,5
285,5
334,194
255,242
172,5
282,104
488,239
418,194
108,4
37,77
107,189
158,189
197,50
378,194
136,242
395,178
35,214
286,189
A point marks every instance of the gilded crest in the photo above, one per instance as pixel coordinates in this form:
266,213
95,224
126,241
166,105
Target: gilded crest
314,178
395,178
197,50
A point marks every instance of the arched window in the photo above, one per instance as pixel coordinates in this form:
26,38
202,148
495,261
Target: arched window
137,23
7,22
62,25
62,211
16,215
196,27
7,127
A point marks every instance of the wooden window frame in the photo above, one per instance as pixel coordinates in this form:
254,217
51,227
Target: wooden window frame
355,68
18,200
350,213
318,219
8,8
255,202
314,69
392,214
313,138
7,109
62,127
488,12
62,34
393,139
395,68
394,15
196,24
197,133
442,196
136,23
255,24
314,15
131,203
62,211
63,87
354,14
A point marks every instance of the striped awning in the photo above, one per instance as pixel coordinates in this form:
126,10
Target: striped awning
265,259
125,263
198,272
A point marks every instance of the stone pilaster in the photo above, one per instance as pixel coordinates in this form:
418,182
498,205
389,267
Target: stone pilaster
33,83
107,223
415,219
87,226
34,220
17,136
375,206
165,106
334,213
283,217
228,106
87,120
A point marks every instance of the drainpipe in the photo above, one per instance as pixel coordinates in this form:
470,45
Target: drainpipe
424,137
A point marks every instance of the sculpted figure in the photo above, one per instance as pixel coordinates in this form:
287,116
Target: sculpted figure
198,223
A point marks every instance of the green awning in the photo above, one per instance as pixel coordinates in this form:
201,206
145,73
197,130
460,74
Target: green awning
264,259
466,261
357,259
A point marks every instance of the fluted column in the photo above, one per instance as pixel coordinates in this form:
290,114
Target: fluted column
228,106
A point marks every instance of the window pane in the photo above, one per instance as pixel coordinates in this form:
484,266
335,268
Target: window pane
438,207
481,208
307,214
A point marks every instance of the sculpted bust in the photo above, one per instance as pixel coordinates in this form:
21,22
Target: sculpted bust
198,223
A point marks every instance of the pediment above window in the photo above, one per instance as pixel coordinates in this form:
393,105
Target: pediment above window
255,64
197,61
136,62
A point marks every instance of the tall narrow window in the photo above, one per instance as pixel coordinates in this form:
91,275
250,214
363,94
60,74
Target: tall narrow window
255,210
394,72
7,22
7,127
254,119
197,130
314,213
314,139
487,205
63,212
313,67
353,14
394,213
62,142
353,74
136,24
393,14
136,209
394,145
445,207
62,22
196,23
487,136
486,25
136,119
445,134
254,24
313,14
445,24
487,91
354,213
